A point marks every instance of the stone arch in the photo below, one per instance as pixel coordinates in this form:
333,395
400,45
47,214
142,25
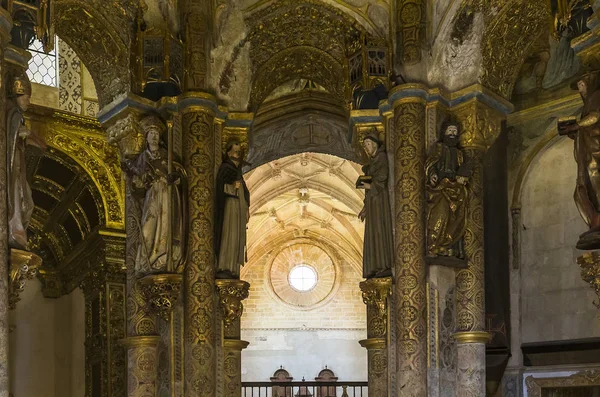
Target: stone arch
102,48
310,40
506,42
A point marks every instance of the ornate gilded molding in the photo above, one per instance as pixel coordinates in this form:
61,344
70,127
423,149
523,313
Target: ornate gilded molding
410,16
375,292
97,41
581,379
24,266
507,39
590,271
80,140
472,337
234,344
480,124
373,343
231,294
126,134
162,292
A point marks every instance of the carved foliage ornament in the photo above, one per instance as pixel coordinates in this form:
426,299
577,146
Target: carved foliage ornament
23,266
506,41
100,47
294,63
590,271
231,293
410,17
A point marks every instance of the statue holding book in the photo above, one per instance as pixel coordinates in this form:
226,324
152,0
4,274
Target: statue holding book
586,134
447,175
378,245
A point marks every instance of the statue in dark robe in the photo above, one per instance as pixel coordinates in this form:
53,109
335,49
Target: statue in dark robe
586,134
20,201
447,175
161,222
378,245
232,212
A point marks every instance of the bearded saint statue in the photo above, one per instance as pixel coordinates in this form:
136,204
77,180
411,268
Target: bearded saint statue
447,175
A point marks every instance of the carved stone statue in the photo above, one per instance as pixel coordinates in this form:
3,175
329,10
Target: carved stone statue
232,204
378,245
447,175
158,191
586,134
20,201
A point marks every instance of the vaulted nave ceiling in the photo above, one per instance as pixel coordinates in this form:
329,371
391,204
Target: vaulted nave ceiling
307,195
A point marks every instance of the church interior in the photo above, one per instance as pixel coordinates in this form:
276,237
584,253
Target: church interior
300,198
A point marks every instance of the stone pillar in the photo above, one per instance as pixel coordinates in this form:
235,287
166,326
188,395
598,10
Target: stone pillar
198,114
105,317
480,126
409,180
5,27
231,294
375,293
142,358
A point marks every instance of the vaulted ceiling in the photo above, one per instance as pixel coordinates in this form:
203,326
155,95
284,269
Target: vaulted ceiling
307,195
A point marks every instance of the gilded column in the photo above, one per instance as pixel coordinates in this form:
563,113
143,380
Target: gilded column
5,27
409,180
480,126
231,294
198,116
375,294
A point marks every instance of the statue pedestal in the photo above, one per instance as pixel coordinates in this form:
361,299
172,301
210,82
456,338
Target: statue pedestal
590,271
162,292
24,266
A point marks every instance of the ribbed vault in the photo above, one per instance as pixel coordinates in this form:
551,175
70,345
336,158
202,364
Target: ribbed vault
310,196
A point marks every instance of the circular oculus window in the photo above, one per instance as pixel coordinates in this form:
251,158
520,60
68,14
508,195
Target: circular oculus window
303,278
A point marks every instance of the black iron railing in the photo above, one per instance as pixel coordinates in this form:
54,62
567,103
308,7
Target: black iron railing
312,389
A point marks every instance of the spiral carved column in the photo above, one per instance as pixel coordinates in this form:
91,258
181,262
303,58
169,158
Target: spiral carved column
200,293
375,293
410,283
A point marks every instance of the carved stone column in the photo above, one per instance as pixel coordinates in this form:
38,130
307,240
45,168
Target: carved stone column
409,208
198,114
105,319
480,126
5,27
375,293
231,294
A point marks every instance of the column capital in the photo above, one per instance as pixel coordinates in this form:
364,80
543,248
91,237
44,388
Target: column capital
231,294
162,292
375,292
24,266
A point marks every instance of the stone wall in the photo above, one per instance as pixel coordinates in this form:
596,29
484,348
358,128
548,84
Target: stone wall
47,354
555,303
303,341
